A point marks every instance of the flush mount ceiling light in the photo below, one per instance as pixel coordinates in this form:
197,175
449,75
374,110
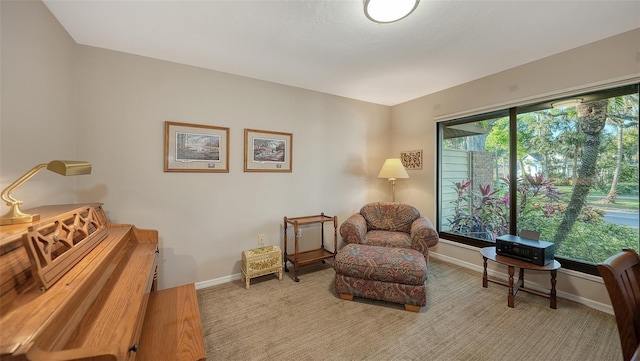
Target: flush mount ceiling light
388,11
567,103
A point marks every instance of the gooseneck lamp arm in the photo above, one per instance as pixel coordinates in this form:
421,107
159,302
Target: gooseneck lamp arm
14,212
62,167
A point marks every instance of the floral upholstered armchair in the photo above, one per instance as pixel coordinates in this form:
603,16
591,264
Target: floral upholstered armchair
390,224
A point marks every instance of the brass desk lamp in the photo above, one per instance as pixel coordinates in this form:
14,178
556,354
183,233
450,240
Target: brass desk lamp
62,167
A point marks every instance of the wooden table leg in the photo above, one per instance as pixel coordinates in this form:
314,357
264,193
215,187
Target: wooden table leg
296,266
511,296
552,295
485,279
521,277
284,259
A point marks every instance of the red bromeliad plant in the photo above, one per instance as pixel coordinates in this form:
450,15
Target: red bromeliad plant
480,214
536,194
484,213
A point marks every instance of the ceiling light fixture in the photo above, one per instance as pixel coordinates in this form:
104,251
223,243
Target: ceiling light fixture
389,11
567,103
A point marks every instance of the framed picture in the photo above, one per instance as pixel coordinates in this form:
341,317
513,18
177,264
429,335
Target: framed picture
195,148
411,159
266,151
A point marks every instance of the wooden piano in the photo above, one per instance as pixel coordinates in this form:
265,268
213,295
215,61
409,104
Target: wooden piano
74,286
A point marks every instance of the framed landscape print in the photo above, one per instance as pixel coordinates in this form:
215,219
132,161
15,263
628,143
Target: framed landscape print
267,151
195,148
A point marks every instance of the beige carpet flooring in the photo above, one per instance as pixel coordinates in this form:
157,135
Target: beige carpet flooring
285,320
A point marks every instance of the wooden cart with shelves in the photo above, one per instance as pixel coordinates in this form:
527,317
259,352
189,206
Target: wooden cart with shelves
299,258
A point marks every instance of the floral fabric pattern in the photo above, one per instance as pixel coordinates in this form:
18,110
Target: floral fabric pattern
397,265
389,216
387,239
383,291
390,224
388,274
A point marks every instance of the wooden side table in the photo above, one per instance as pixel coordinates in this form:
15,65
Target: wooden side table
261,261
301,258
511,263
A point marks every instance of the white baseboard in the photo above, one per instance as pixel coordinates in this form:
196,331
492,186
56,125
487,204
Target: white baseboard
492,273
225,279
474,267
218,281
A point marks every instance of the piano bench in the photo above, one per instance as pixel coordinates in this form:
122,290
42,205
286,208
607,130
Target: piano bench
172,329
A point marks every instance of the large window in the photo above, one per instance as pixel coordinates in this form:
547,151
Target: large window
566,168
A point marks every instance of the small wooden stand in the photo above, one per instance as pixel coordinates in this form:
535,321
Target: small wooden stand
320,254
511,263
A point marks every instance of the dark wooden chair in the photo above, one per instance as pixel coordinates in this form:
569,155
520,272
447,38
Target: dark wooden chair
621,275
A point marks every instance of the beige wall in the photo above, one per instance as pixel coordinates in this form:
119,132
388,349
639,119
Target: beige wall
63,100
37,118
609,62
76,102
206,220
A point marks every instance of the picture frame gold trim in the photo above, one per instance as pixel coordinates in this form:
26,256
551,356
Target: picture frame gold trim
207,150
411,159
267,151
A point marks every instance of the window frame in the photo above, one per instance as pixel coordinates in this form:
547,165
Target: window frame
513,111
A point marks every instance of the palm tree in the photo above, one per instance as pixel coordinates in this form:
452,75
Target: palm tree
620,117
569,146
592,117
568,141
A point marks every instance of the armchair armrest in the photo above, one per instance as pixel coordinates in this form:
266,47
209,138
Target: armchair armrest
353,229
423,235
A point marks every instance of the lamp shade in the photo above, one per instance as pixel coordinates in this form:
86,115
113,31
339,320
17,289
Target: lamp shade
69,167
393,169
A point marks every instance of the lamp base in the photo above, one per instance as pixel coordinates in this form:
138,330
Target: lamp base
393,189
16,216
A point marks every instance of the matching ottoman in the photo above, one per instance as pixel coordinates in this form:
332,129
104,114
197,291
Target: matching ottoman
383,273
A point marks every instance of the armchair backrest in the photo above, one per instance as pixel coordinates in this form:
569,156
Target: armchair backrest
621,275
389,216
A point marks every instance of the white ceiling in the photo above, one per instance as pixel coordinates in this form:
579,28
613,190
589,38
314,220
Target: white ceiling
331,47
